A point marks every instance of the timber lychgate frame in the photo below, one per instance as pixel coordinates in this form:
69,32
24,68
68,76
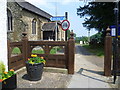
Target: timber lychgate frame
65,60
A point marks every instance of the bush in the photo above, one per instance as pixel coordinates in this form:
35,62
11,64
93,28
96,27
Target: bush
2,67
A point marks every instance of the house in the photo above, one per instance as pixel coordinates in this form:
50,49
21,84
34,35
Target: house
25,17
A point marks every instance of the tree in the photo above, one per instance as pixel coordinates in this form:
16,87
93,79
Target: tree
74,35
97,38
83,38
100,15
68,33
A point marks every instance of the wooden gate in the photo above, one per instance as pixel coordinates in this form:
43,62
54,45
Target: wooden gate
65,60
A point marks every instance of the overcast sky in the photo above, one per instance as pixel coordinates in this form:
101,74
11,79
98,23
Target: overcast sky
62,6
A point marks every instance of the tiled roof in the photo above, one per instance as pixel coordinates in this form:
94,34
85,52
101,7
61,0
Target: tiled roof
49,26
28,6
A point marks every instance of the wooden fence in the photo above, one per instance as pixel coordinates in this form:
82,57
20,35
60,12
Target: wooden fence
65,60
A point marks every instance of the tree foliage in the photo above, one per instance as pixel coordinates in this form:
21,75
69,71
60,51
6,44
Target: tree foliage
96,38
68,34
83,38
98,15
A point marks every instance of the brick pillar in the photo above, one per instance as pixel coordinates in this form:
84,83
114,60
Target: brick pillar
108,53
71,53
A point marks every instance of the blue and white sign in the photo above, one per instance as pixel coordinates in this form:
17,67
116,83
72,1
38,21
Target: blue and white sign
113,30
58,18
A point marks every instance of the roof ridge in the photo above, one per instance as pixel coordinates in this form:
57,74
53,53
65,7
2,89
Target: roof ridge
36,9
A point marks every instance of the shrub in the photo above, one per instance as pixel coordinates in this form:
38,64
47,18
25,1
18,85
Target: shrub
2,67
3,74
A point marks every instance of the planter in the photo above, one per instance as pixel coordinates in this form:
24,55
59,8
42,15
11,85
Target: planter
10,83
34,71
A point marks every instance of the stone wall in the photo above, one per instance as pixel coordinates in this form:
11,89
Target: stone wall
18,24
27,18
22,21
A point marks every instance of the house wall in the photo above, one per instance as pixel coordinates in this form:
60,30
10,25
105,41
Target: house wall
27,18
61,34
3,33
22,21
18,25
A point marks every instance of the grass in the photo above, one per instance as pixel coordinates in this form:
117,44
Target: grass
52,51
38,51
77,43
97,50
16,50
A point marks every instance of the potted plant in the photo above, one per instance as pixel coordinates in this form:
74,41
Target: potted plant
7,79
34,67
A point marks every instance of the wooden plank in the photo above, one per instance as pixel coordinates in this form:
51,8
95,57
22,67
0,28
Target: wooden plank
50,43
16,62
15,44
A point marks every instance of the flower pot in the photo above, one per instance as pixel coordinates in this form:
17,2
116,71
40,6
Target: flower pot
34,71
10,83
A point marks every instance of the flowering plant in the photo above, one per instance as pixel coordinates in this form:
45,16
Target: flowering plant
35,59
3,74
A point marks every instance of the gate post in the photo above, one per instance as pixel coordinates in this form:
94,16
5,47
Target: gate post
71,53
25,46
108,53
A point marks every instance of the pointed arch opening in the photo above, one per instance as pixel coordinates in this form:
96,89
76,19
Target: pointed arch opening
9,21
34,25
38,50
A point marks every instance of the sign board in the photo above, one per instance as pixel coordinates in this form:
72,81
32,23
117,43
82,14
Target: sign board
58,18
113,30
65,25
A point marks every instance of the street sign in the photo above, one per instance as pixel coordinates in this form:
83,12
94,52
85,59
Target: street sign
65,25
113,30
58,18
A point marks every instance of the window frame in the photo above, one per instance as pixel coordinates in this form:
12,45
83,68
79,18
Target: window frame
34,27
9,21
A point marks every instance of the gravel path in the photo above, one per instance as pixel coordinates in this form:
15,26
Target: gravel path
49,80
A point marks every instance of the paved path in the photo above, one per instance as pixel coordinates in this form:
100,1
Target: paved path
88,71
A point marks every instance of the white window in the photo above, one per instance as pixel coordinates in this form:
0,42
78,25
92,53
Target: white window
9,21
34,26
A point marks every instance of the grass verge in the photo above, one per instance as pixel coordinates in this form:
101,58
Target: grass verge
97,50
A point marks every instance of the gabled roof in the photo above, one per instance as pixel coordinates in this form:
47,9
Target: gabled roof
28,6
49,26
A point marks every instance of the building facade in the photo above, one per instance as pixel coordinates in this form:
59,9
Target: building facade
25,17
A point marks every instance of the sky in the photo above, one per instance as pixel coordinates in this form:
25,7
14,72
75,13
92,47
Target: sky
62,6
